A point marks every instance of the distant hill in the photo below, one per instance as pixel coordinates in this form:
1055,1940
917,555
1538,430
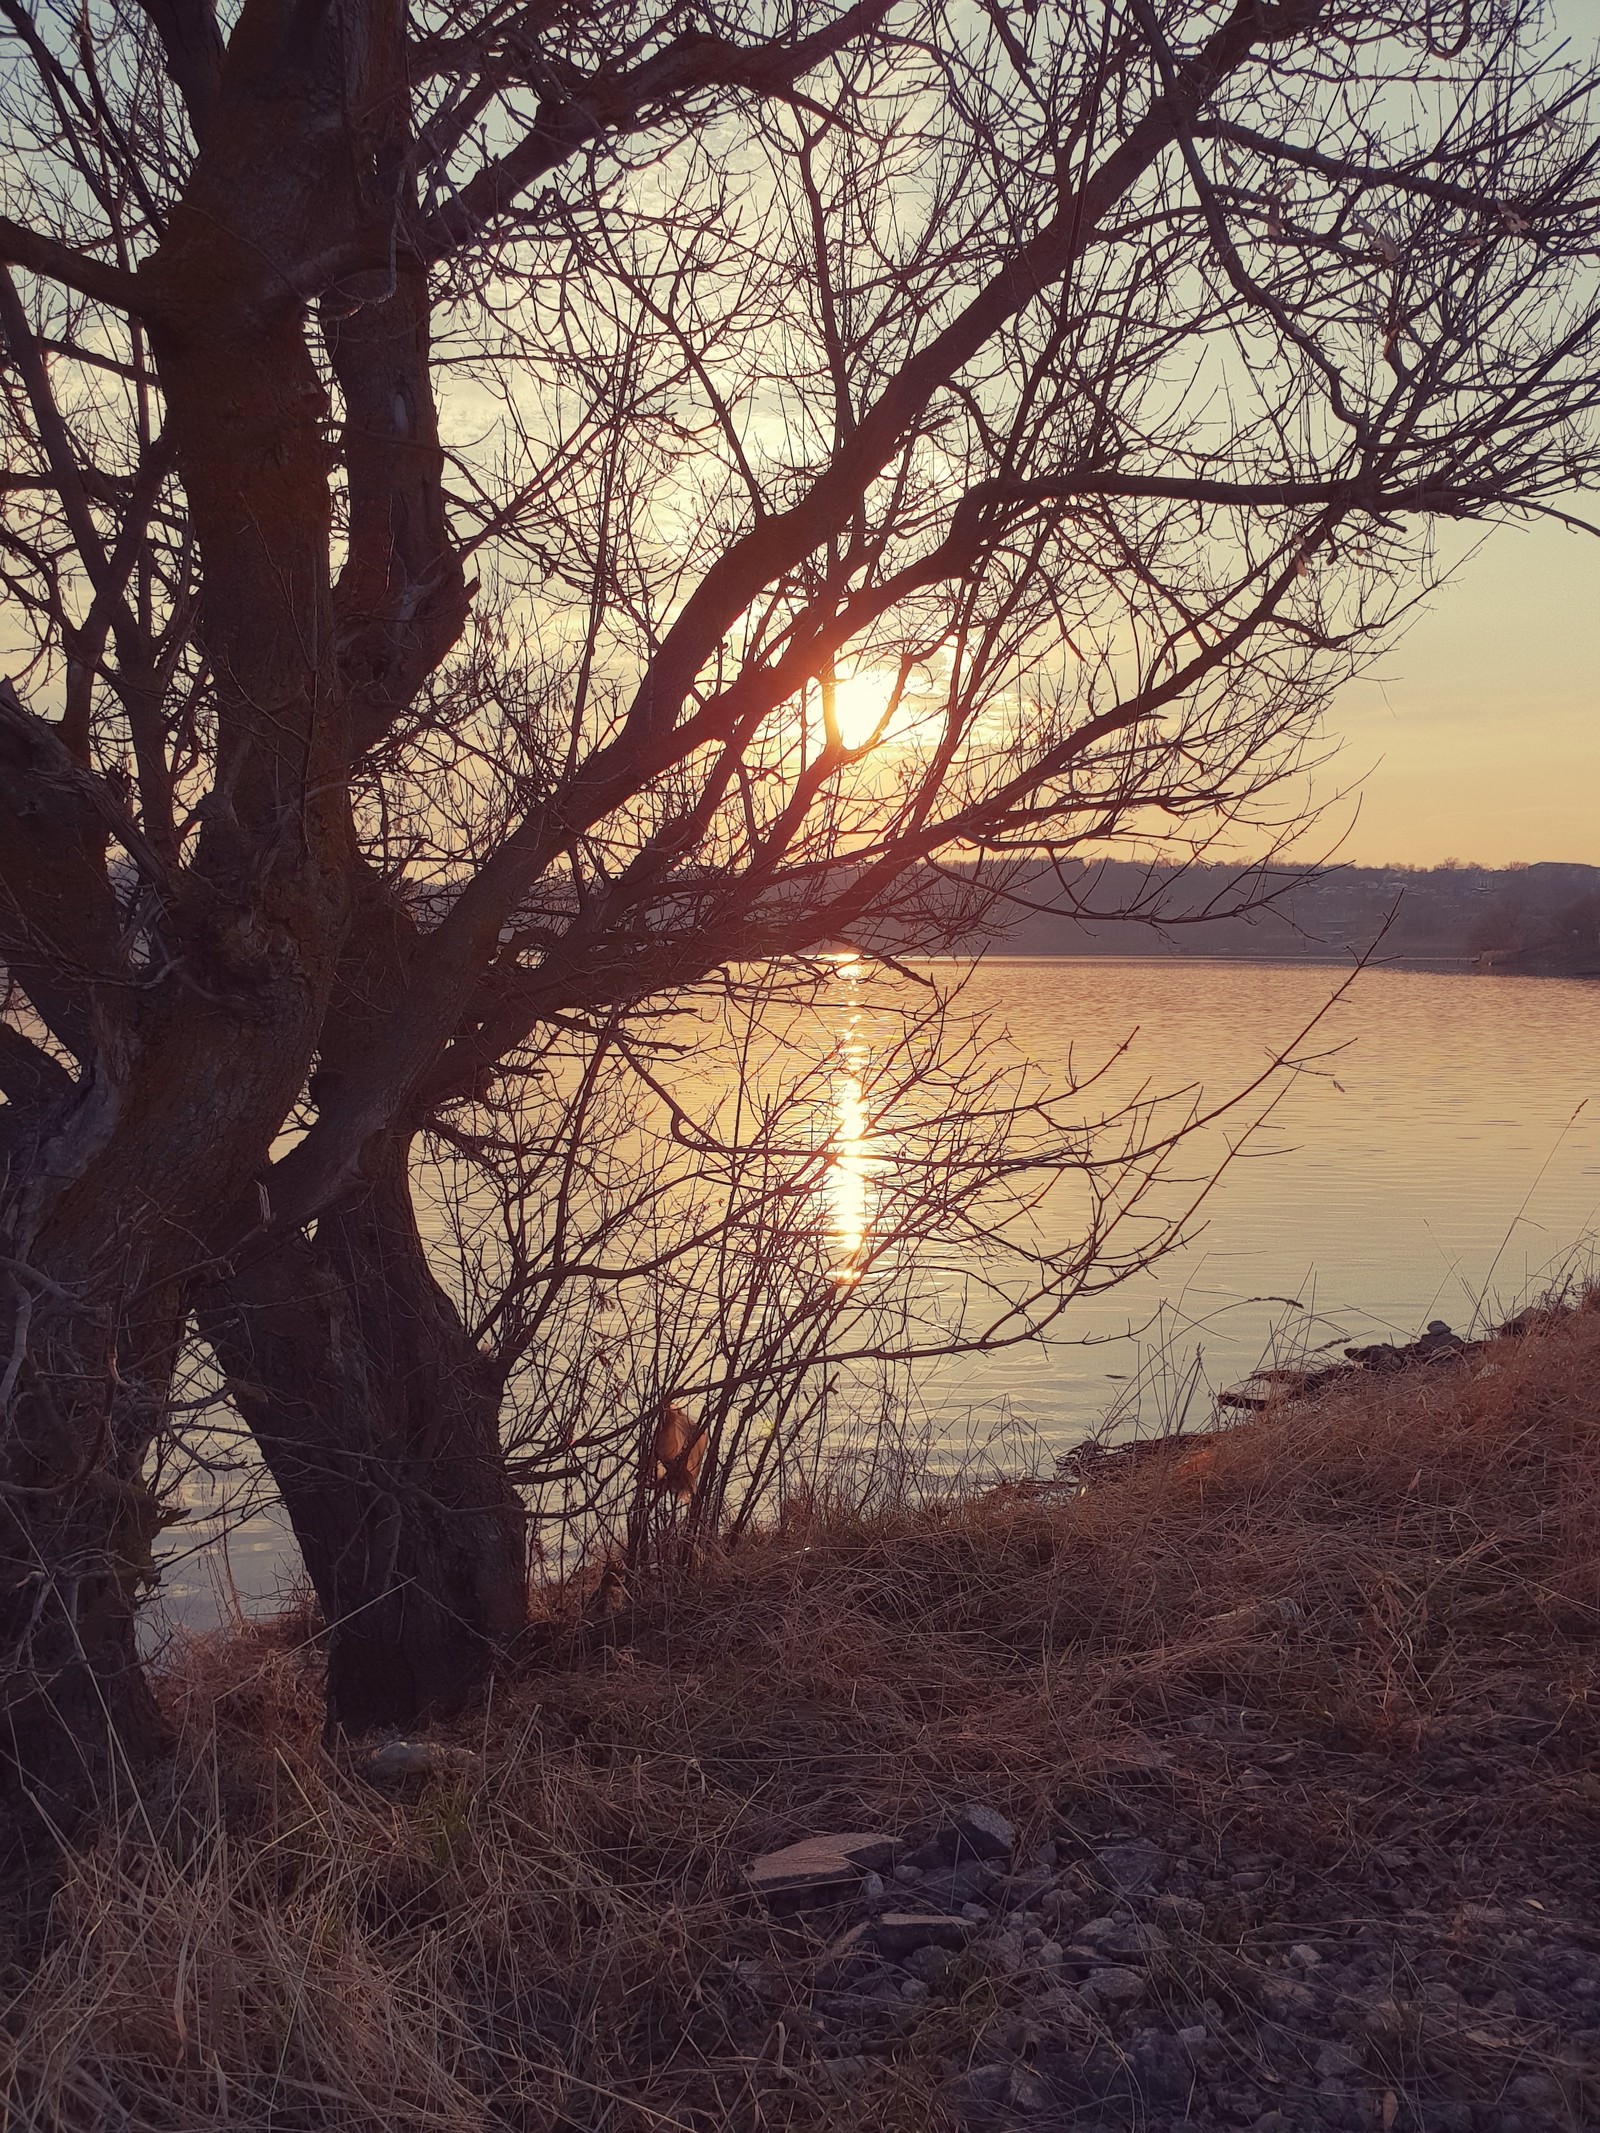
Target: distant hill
1543,919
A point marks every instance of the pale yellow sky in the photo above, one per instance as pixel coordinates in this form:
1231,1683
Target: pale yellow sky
1480,733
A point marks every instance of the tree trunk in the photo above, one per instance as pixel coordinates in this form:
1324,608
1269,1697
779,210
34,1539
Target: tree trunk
379,1421
77,1718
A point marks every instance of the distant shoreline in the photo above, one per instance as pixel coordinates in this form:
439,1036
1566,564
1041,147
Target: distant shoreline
1538,921
1426,965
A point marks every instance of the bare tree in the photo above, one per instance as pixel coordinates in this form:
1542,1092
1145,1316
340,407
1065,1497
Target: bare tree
513,508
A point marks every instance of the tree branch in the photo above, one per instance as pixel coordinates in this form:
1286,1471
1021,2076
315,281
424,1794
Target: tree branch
30,1078
193,45
26,248
588,108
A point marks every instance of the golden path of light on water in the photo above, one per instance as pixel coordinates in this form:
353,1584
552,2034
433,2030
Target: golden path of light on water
847,1183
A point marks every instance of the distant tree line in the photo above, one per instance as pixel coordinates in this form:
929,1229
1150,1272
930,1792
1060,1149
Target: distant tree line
1543,918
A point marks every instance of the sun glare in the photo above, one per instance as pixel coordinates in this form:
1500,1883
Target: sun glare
860,701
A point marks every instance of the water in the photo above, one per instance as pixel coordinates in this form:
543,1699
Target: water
1434,1153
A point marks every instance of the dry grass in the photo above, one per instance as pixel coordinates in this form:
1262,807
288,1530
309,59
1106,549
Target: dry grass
1400,1581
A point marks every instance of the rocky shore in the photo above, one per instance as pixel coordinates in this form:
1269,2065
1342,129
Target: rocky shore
1188,1982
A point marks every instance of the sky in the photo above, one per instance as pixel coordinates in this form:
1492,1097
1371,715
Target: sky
1478,736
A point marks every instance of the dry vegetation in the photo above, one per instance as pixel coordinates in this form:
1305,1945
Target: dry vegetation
1339,1663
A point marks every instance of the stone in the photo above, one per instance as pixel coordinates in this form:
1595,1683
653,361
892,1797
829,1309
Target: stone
1337,2062
1447,2118
845,2072
1115,1986
820,1869
1304,1956
914,1990
1025,1888
1005,1953
932,1965
1384,2021
1241,2104
982,1832
986,2083
898,1933
398,1759
948,1888
1343,2109
1186,1911
1063,2008
1133,1866
1284,1999
1026,2092
1160,2068
1537,2092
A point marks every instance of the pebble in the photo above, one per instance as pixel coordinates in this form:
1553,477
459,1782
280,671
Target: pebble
1135,1865
1065,2008
417,1758
1027,2092
1336,2062
1174,1910
983,1832
818,1869
983,2084
1537,2092
897,1933
1160,2068
1116,1986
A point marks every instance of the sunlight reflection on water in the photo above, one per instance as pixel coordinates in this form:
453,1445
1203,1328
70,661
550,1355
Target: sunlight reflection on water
847,1181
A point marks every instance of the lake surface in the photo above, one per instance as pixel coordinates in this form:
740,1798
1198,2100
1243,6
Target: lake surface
1435,1153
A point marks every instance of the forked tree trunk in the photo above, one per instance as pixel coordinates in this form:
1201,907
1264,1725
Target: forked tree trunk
379,1421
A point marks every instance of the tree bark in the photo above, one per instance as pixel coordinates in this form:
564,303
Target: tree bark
378,1419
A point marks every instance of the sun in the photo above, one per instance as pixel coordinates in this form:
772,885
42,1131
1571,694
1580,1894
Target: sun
860,701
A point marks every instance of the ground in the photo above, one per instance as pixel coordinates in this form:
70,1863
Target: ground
1295,1730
